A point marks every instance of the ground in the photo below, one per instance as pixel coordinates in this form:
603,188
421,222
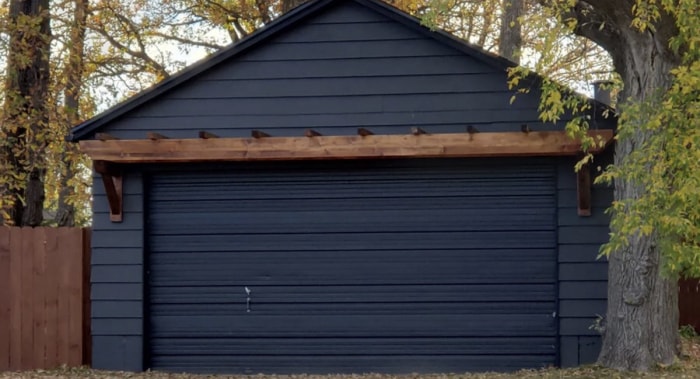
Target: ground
687,367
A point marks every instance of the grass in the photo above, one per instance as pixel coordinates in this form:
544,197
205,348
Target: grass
688,367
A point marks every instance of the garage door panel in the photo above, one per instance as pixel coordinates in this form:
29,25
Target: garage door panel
391,266
333,221
340,307
224,346
348,271
357,241
450,293
429,201
375,171
415,255
352,364
358,191
373,325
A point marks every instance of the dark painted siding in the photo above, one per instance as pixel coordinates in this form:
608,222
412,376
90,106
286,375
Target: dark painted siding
582,277
346,68
117,280
388,266
118,253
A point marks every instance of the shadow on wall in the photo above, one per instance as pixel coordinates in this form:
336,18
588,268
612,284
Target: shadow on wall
689,302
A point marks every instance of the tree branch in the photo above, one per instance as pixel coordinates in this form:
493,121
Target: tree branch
187,41
596,25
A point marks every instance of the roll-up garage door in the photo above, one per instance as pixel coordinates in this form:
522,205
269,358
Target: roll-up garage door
369,266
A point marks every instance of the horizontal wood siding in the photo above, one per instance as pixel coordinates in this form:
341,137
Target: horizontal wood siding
582,276
345,68
117,279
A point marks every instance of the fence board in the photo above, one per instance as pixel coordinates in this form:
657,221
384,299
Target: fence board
16,298
26,300
689,302
53,259
43,297
37,295
4,300
62,277
87,304
75,302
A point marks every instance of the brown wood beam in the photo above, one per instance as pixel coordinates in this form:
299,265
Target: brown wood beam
206,135
112,180
583,191
456,145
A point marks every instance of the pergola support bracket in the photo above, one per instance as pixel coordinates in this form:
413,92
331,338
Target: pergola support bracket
112,179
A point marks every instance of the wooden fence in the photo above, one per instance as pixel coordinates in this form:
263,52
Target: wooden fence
689,303
44,297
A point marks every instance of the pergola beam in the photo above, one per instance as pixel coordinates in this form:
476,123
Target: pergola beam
457,145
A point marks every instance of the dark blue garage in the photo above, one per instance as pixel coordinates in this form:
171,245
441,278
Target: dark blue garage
343,191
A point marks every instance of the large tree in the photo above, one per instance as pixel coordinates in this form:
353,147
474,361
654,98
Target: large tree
510,41
73,73
25,121
653,49
655,228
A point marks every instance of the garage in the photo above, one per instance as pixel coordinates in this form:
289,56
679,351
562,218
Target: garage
378,266
345,190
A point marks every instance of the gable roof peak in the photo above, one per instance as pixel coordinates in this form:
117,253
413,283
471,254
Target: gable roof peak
296,15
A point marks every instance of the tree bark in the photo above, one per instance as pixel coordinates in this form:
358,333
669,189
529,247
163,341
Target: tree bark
510,40
26,117
641,326
65,215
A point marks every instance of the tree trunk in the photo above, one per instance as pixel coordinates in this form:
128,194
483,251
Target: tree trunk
26,118
641,328
511,41
65,215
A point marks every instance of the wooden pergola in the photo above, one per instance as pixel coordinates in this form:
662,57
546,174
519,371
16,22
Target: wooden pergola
110,154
